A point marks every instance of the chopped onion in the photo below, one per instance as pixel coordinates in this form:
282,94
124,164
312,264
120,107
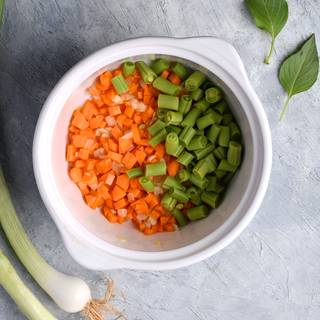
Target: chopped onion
141,217
99,153
158,190
127,96
130,197
89,143
117,99
151,158
109,179
111,121
116,167
103,132
142,83
138,105
122,213
153,221
127,136
142,126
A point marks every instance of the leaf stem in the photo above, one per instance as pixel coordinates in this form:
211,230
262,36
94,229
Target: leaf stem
268,57
285,108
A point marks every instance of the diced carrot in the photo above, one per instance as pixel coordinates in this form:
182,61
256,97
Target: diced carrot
128,122
149,231
113,146
90,164
97,122
155,214
129,160
121,219
121,118
160,150
71,153
136,133
73,129
80,164
123,182
94,201
125,145
174,78
117,193
88,132
143,142
99,103
109,215
103,166
114,110
89,109
79,141
173,168
165,74
79,121
133,88
134,183
169,228
89,177
151,200
105,79
84,154
137,119
141,207
147,115
164,220
94,91
115,156
103,191
120,204
109,203
83,188
148,150
116,132
129,111
141,156
76,174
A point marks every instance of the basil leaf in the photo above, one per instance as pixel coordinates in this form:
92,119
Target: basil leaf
299,71
1,11
269,15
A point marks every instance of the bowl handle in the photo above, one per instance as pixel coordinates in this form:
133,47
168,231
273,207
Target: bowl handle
219,51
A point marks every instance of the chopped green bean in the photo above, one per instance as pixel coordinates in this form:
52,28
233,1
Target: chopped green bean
218,188
183,175
227,118
168,202
212,183
178,151
234,153
168,102
210,198
156,127
197,213
203,152
161,113
159,65
220,152
208,119
201,169
213,133
187,135
166,86
224,136
191,118
156,169
179,195
146,184
171,182
197,94
185,102
224,165
147,74
158,137
221,107
213,95
199,182
202,105
120,84
234,131
194,194
175,129
134,173
172,143
179,206
197,142
195,80
227,178
185,158
220,174
128,68
173,118
180,70
180,217
207,85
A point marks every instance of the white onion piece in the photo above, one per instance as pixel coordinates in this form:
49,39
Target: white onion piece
158,190
141,217
122,213
130,197
111,121
99,153
89,143
109,179
127,136
127,96
117,99
103,132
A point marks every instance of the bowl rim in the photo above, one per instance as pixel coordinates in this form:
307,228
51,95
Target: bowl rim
202,248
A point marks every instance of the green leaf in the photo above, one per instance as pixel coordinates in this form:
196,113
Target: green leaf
1,11
269,15
300,70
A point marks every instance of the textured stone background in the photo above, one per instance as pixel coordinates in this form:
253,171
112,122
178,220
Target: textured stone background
272,270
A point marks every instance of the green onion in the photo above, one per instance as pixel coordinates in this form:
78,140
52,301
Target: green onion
195,80
166,86
156,169
147,74
146,184
172,143
159,65
178,151
29,305
220,174
180,217
120,84
168,102
134,173
213,95
197,213
161,113
213,180
198,142
128,68
221,107
180,70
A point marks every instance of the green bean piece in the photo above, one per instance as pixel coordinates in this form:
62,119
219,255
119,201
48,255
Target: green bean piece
168,202
218,188
201,153
156,127
172,143
159,65
179,206
158,137
215,115
197,213
197,94
220,174
173,118
156,169
227,118
227,178
178,151
199,182
212,162
191,118
235,133
185,102
213,95
183,175
187,135
161,113
180,70
210,198
166,86
179,195
221,107
234,153
195,80
197,142
146,184
220,152
120,84
180,217
185,158
194,194
168,102
201,169
213,180
202,105
208,119
224,165
171,182
128,68
213,133
175,129
134,173
207,85
147,74
224,136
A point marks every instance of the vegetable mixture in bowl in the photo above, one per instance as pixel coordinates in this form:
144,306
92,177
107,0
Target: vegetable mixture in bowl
155,144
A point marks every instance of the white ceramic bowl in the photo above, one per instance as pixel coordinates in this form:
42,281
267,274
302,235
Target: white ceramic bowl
90,239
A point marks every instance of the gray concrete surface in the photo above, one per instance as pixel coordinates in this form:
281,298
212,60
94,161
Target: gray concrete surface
272,270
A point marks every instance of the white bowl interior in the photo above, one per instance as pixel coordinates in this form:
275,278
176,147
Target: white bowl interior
125,235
